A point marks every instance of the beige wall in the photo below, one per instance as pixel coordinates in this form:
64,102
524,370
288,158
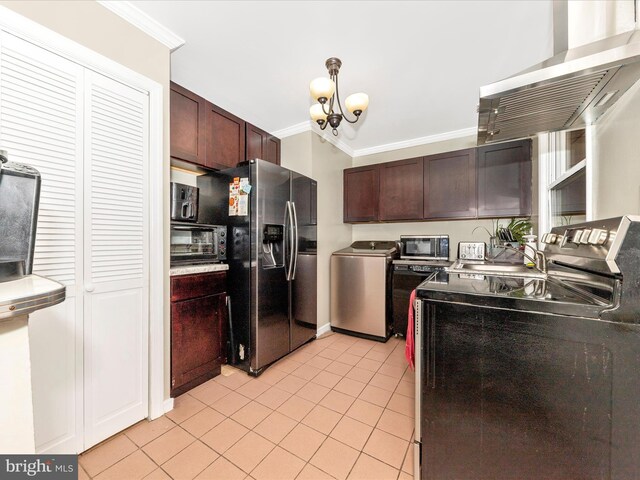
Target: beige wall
93,26
616,164
296,153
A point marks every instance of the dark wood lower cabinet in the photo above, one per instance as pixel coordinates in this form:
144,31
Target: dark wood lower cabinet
198,329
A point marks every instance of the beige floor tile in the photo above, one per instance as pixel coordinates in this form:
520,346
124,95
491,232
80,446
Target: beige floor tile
397,359
273,398
349,359
233,381
222,469
407,465
384,381
375,395
275,427
337,347
303,441
322,419
392,370
102,456
327,379
221,437
409,376
360,374
376,355
253,388
369,364
351,432
145,431
251,414
82,475
135,466
338,368
365,412
313,392
202,422
401,404
337,401
166,446
359,350
230,404
314,347
306,372
287,365
296,408
350,387
368,468
209,392
328,354
291,383
396,424
272,376
406,388
184,406
158,474
249,451
405,476
278,465
190,461
309,472
301,356
320,362
386,448
335,458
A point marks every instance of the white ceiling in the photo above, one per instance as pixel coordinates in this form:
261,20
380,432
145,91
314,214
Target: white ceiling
421,63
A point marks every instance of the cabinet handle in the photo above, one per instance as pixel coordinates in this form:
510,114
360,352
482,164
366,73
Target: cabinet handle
89,287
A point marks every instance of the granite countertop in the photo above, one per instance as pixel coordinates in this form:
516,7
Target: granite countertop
204,268
27,294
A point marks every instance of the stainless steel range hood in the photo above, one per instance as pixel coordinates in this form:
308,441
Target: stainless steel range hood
569,90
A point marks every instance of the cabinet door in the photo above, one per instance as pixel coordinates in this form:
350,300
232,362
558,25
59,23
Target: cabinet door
225,138
197,341
256,142
504,179
450,185
116,277
273,149
401,190
361,192
188,125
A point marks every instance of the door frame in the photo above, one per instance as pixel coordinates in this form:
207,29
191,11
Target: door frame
40,35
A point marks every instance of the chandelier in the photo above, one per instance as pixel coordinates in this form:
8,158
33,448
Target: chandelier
326,92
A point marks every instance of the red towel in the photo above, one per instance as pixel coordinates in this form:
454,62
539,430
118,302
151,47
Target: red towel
409,349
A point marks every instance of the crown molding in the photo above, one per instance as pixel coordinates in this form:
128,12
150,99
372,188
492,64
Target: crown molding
293,129
414,142
332,139
144,22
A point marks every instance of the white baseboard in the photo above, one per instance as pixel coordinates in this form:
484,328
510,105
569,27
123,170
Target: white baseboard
167,405
323,329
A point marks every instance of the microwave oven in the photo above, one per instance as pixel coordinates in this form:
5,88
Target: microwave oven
193,244
424,247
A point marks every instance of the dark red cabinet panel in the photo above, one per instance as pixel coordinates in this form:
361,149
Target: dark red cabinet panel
361,193
401,190
225,138
261,144
187,122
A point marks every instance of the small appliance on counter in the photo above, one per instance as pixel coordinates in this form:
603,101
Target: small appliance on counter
184,202
420,257
193,244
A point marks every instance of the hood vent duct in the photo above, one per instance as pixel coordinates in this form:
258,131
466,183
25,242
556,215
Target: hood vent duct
569,90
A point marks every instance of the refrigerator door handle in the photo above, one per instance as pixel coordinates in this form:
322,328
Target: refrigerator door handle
291,241
287,265
294,254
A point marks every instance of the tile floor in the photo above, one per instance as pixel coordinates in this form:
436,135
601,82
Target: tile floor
339,407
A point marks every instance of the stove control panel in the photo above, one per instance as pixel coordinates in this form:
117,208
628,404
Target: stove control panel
574,237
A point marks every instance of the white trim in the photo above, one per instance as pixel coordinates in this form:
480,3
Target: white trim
414,142
293,129
326,328
52,41
144,22
581,165
332,139
591,174
167,405
544,221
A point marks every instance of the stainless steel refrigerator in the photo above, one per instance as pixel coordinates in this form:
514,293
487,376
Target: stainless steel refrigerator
271,252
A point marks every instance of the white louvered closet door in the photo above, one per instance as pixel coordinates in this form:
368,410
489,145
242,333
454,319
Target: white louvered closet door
41,125
116,278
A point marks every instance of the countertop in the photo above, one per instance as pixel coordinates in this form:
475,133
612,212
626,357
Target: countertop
28,294
204,268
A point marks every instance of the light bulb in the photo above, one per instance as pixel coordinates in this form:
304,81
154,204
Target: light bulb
357,102
322,88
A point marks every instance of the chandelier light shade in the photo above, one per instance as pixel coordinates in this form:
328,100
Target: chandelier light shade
325,91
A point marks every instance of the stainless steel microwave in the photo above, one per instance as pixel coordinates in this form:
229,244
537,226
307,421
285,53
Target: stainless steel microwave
424,247
197,243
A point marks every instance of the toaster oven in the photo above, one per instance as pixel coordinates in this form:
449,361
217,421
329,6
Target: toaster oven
197,243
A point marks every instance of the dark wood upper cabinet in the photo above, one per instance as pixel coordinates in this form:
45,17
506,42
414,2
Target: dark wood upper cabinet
198,329
504,179
450,185
225,138
261,144
361,190
188,125
401,190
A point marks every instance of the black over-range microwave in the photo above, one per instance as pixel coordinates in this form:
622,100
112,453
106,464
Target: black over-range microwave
424,247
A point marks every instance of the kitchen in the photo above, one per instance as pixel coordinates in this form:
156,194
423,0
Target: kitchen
611,173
